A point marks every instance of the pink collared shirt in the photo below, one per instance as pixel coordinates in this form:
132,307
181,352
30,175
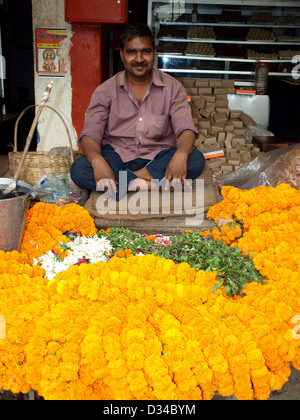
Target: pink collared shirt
114,116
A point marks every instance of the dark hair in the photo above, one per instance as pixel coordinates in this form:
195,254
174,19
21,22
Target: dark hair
139,30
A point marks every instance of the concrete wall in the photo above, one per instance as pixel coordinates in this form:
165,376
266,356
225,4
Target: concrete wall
50,14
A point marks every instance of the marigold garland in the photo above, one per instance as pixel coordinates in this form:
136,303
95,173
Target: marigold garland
145,327
46,224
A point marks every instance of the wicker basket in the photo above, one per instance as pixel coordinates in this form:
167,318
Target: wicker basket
37,164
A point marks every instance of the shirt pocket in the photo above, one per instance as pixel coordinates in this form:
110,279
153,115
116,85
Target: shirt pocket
157,126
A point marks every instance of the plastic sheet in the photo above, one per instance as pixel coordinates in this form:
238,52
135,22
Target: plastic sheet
59,190
59,151
256,130
256,106
268,169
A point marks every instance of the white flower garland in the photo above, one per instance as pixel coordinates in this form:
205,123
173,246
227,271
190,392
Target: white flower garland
82,249
92,249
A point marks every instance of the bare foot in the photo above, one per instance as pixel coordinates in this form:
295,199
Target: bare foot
140,184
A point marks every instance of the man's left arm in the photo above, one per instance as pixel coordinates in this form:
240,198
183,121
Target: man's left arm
187,133
177,168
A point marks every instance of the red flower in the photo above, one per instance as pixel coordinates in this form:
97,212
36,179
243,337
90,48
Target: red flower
83,261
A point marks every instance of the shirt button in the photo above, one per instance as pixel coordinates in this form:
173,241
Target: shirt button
140,119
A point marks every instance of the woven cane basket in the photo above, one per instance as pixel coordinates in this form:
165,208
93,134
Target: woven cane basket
37,164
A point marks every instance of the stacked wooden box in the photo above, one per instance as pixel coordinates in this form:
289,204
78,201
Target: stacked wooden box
219,127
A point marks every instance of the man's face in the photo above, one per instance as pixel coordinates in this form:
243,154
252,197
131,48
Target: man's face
138,56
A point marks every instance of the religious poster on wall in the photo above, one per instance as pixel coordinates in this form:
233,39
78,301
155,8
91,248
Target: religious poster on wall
49,63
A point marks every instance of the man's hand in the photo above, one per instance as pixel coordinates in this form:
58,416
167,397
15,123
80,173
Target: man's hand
176,171
104,176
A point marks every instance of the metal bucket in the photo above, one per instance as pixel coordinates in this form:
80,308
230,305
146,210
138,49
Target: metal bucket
12,215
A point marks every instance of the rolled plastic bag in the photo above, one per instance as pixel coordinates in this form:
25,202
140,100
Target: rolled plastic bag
280,166
59,151
59,190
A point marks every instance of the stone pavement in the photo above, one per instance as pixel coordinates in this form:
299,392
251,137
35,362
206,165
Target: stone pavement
291,390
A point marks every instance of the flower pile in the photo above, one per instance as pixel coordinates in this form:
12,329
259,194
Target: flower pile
47,225
23,300
271,227
147,327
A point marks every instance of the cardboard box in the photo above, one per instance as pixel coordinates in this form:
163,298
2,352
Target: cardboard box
239,131
241,141
188,83
204,123
237,123
220,91
194,110
229,128
199,141
216,129
211,109
247,119
233,155
215,83
210,98
191,90
229,83
205,90
202,83
218,117
210,141
221,98
205,112
235,114
231,91
220,124
223,109
217,162
228,144
221,139
229,136
233,162
199,102
226,168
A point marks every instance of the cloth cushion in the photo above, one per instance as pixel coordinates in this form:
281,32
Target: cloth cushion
145,204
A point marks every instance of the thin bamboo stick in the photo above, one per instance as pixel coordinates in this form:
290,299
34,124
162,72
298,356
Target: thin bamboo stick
13,184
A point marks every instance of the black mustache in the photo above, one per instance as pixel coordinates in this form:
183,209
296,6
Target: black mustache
142,64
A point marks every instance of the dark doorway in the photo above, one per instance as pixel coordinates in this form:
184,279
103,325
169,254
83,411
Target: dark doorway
17,51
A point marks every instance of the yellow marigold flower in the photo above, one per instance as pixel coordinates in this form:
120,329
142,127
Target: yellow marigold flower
120,254
145,327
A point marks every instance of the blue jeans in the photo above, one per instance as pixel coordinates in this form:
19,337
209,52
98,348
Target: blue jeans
83,176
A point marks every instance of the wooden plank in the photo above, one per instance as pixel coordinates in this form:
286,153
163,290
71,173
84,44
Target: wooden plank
166,226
